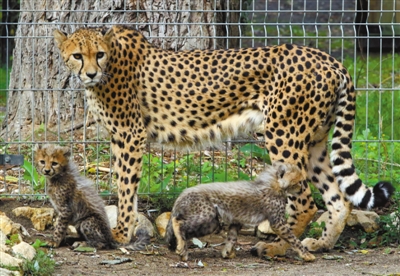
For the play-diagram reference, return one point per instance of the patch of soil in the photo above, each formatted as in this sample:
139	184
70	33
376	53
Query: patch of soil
160	261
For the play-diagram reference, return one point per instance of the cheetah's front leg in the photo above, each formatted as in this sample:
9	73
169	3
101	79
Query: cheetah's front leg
128	151
320	172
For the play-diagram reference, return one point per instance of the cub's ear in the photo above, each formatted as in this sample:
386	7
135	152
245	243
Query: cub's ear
37	147
66	151
59	37
280	169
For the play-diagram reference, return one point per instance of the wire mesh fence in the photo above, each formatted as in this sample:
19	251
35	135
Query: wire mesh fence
41	103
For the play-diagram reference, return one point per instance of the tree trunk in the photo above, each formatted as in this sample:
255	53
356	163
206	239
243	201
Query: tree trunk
42	94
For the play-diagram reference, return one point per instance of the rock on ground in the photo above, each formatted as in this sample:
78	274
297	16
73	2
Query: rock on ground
162	222
142	221
24	250
8	227
8	260
5	272
40	217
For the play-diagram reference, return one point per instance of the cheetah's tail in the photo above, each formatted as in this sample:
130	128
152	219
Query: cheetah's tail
343	168
170	236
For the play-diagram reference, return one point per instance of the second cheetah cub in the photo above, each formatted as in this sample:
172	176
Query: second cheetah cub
73	197
198	209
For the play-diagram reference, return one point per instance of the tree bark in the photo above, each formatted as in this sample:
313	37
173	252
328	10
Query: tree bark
42	94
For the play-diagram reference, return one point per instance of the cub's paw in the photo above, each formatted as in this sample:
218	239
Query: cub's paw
262	249
228	252
52	244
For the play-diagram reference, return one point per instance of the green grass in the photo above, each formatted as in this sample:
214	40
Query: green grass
376	156
3	86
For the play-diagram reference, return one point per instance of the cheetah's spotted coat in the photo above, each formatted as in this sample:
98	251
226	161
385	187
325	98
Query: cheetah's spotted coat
195	98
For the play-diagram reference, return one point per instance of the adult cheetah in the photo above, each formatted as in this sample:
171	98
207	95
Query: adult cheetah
196	98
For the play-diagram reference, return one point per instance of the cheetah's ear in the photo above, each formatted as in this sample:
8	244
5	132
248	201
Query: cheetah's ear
109	36
59	37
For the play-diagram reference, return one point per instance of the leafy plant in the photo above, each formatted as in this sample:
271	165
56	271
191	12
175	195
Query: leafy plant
14	239
316	229
32	175
41	265
255	151
390	225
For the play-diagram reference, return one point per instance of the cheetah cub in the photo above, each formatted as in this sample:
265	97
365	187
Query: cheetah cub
73	197
198	209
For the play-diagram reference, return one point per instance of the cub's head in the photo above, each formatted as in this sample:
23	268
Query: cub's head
51	160
289	178
86	53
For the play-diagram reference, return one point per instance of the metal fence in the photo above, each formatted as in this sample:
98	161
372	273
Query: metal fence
362	34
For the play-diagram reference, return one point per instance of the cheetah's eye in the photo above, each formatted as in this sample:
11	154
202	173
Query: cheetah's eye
77	56
53	164
42	162
100	54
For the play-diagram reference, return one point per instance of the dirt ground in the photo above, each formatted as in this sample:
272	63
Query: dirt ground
207	261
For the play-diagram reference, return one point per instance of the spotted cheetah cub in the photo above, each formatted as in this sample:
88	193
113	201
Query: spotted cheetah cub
73	197
198	209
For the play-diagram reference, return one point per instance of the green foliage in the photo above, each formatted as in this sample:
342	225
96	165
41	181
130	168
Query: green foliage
375	154
14	239
316	229
32	175
41	265
171	178
38	243
390	225
99	152
388	233
317	196
252	150
3	85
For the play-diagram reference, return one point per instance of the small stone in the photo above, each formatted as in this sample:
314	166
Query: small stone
71	232
144	223
3	238
366	219
112	214
4	248
395	219
6	272
264	228
24	250
8	260
8	227
40	217
162	222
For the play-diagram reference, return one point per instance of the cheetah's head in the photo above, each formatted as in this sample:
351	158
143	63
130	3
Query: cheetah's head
86	53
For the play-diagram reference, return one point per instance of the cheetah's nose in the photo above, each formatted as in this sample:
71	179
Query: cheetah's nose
91	75
46	171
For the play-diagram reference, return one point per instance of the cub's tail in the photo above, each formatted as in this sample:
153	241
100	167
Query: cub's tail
170	236
343	168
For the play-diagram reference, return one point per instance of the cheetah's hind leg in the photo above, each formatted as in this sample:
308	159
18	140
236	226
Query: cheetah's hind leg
93	232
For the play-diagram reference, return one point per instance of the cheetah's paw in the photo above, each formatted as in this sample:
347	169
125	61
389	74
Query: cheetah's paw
262	249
